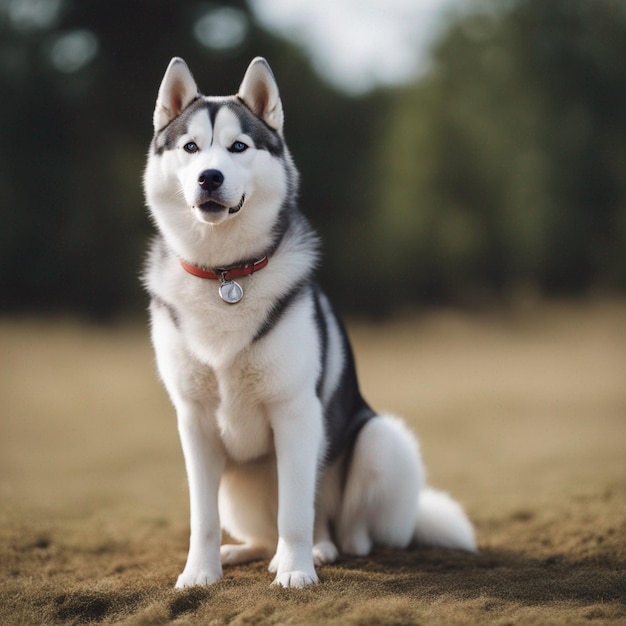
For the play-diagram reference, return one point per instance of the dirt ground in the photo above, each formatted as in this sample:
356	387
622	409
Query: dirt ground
521	416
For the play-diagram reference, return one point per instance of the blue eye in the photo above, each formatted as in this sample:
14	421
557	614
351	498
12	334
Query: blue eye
191	147
238	146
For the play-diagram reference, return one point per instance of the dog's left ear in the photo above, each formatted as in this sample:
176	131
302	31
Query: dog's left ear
259	92
178	89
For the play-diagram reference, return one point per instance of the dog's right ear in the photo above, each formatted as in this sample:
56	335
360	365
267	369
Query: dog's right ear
178	89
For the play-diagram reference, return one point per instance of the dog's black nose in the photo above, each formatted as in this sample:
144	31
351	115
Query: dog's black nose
210	180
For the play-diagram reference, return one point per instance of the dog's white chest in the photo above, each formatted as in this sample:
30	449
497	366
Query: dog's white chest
246	436
242	418
216	332
244	429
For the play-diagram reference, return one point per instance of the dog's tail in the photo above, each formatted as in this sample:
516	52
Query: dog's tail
441	522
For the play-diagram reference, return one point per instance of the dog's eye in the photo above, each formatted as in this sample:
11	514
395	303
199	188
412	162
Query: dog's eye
238	146
191	147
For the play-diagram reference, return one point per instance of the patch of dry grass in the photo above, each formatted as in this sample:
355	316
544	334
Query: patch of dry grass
522	417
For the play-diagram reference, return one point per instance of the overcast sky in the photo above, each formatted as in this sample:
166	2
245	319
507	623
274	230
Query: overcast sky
359	44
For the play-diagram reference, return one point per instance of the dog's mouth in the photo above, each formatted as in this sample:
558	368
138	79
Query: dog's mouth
211	206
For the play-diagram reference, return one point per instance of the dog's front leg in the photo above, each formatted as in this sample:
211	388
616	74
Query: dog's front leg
204	461
298	435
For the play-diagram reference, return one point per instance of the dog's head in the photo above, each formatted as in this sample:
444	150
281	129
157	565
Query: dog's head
214	160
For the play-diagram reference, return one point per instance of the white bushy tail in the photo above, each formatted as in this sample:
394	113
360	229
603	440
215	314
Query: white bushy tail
441	522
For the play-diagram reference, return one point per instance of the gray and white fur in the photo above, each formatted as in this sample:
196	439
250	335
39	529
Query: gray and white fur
281	450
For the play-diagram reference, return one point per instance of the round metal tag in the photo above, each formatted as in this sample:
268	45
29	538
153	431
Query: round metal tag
231	292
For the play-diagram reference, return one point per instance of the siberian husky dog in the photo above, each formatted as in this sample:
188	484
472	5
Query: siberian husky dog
280	448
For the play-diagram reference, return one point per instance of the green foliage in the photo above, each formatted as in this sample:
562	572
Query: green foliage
504	168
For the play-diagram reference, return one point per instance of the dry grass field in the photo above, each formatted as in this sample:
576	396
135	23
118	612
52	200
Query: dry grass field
522	416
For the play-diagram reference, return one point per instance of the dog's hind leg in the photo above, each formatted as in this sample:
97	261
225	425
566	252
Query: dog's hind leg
386	501
382	488
248	508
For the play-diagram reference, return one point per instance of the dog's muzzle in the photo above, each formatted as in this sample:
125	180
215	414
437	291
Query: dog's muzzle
211	181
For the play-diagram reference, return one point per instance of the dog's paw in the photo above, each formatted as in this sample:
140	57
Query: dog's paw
295	579
325	552
357	544
202	577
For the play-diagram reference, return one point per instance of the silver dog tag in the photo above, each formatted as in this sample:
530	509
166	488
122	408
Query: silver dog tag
230	291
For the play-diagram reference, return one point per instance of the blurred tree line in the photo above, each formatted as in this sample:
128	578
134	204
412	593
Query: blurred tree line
503	170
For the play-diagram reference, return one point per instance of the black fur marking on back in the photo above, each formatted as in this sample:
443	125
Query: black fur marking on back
346	412
280	307
322	331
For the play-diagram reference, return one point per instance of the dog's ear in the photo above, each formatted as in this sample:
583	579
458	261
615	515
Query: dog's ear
259	92
177	90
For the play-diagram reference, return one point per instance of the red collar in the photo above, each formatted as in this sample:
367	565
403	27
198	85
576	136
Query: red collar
228	273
